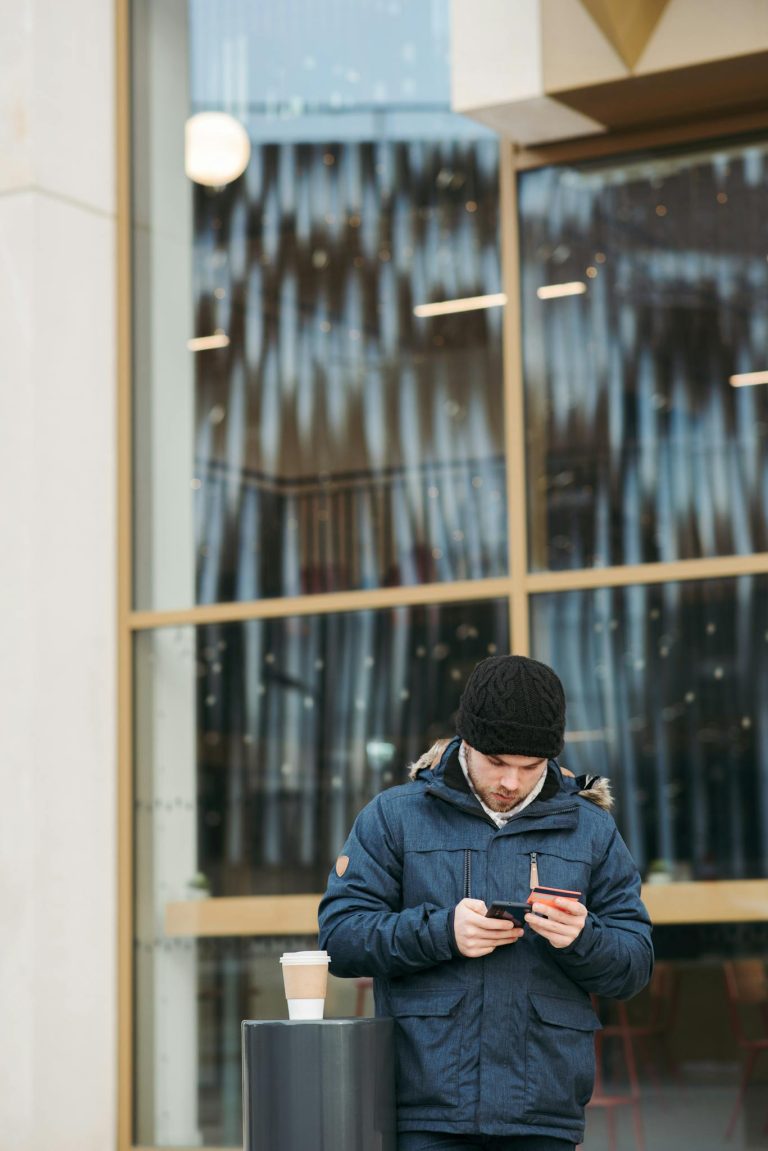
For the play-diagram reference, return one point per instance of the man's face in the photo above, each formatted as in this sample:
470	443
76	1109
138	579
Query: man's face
503	781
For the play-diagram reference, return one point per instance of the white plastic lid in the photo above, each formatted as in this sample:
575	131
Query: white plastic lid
305	957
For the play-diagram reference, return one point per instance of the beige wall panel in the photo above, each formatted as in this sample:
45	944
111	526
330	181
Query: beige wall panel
575	51
694	31
16	160
18	918
57	756
51	125
495	52
58	1040
72	100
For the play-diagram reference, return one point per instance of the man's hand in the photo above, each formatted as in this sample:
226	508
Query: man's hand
564	922
477	935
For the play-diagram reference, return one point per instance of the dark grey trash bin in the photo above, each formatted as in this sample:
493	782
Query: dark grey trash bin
325	1085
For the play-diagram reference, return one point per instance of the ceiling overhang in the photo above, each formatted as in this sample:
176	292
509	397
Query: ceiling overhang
539	71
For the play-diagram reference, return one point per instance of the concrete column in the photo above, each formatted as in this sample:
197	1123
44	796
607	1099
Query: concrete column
57	577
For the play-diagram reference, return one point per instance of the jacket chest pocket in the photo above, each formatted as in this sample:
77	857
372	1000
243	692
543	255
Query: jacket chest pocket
443	877
555	869
559	1057
428	1039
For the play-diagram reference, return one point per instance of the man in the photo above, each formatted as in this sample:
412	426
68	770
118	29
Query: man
494	1025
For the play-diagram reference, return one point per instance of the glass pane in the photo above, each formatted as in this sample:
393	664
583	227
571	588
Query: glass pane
256	745
639	449
317	434
667	688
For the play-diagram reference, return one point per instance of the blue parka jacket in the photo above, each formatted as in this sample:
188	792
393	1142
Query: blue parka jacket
502	1044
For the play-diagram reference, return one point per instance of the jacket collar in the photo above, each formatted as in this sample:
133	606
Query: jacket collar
454	777
446	781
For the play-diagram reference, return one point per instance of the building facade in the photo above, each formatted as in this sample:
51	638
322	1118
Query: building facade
360	341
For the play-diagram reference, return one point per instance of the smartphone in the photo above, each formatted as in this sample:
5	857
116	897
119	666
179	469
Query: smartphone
515	912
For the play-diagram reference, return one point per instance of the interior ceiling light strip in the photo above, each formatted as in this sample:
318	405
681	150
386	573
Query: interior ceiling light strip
205	343
469	304
553	291
745	379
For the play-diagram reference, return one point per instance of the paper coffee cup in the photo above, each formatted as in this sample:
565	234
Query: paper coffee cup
306	1008
305	977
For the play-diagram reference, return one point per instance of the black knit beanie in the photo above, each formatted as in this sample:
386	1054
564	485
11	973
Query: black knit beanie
512	705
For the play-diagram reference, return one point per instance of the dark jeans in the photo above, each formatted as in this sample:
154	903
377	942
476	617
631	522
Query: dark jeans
440	1141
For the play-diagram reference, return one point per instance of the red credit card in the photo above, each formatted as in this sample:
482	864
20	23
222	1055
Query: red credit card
548	895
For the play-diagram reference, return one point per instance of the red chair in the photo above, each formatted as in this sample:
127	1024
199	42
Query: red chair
610	1100
746	988
651	1034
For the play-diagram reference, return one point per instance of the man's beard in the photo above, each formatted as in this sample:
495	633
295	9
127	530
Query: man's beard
499	802
500	799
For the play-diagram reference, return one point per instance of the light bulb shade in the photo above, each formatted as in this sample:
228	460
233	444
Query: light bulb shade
216	149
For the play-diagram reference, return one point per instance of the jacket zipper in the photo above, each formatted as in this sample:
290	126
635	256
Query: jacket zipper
534	871
467	873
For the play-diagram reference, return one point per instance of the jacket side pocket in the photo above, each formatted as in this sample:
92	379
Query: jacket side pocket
428	1028
559	1057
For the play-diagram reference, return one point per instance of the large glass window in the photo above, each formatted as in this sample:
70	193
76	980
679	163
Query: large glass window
667	688
301	425
643	287
319	409
639	446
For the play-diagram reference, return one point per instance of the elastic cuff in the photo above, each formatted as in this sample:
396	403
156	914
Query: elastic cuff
582	943
451	933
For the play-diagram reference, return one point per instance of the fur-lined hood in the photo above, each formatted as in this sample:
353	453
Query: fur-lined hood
595	788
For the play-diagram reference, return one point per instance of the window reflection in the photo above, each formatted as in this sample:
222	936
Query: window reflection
295	724
342	441
299	427
639	449
667	688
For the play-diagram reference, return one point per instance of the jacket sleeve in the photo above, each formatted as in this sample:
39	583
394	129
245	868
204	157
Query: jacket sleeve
362	924
613	955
